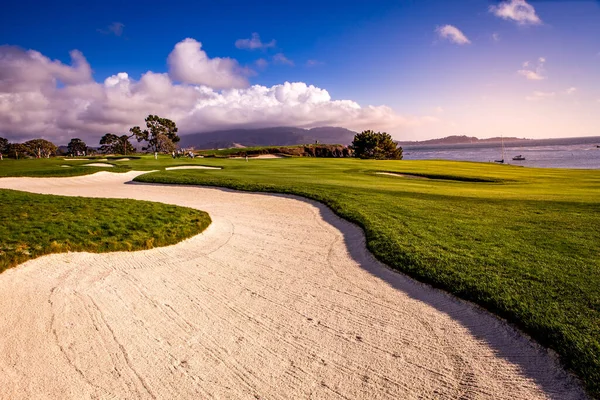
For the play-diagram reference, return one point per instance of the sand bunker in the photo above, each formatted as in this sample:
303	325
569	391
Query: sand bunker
65	166
402	175
269	156
98	165
192	167
122	159
76	159
277	299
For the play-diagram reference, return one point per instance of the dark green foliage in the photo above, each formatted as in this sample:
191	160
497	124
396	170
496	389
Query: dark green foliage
160	135
76	147
113	144
16	150
32	225
376	145
3	145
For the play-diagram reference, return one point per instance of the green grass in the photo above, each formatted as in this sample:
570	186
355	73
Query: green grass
522	242
32	225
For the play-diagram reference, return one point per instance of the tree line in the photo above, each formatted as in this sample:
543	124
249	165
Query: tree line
160	136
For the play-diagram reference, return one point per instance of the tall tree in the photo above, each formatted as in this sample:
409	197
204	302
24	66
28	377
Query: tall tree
77	147
111	143
159	131
376	145
39	148
3	146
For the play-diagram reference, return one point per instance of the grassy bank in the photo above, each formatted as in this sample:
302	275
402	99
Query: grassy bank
32	225
523	243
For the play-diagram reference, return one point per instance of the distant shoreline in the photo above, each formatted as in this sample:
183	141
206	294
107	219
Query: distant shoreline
462	140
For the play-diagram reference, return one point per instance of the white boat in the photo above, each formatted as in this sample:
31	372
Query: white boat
518	158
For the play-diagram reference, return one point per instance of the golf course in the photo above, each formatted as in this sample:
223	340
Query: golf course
521	243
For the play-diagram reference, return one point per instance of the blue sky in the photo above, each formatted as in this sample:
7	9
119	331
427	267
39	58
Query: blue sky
389	54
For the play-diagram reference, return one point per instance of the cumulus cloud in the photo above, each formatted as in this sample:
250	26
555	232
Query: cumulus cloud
253	43
538	96
453	34
516	10
533	74
571	90
116	28
44	98
281	59
496	37
188	63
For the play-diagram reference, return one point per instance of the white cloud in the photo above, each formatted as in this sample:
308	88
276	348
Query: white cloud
34	104
538	96
517	10
571	90
313	63
116	28
536	74
261	63
531	75
439	109
253	43
453	34
188	63
281	59
496	37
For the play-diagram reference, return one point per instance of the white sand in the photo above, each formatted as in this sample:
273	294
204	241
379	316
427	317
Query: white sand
66	166
278	299
268	156
192	167
401	175
97	164
122	159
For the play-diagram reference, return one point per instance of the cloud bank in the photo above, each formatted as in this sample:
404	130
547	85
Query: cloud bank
453	34
519	11
40	97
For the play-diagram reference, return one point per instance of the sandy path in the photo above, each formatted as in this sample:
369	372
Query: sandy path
278	299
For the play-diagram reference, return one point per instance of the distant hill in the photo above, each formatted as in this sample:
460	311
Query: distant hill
461	140
281	136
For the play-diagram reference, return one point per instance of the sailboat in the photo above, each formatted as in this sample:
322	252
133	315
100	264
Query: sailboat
501	161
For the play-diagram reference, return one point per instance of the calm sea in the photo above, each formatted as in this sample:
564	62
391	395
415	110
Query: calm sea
546	153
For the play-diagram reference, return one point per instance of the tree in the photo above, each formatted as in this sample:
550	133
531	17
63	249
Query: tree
39	148
3	147
376	145
16	149
159	132
111	143
77	147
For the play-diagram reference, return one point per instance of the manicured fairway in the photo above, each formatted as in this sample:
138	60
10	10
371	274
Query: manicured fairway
525	245
32	225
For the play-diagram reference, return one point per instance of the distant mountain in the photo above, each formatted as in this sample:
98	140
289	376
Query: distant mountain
281	136
461	140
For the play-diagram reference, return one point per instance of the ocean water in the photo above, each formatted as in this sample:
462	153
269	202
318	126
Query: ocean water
579	153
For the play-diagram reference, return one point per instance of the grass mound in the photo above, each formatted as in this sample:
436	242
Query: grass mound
32	225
